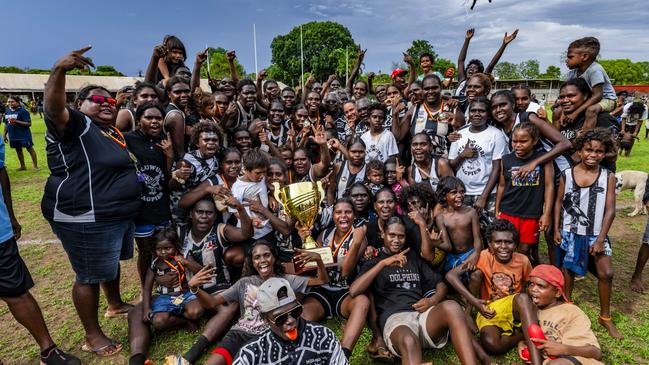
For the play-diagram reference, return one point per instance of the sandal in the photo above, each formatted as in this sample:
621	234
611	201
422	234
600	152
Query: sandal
104	351
381	354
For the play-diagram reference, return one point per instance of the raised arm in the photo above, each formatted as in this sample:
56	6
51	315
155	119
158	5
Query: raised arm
54	94
461	74
230	56
506	41
356	69
201	57
322	167
159	52
401	126
260	93
412	69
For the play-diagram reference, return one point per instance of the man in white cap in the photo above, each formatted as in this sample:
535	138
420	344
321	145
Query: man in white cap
291	339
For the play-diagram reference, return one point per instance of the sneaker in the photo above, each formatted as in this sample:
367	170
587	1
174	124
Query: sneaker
176	360
58	357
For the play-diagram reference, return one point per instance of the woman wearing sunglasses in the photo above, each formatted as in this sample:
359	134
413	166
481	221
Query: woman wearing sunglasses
261	264
91	195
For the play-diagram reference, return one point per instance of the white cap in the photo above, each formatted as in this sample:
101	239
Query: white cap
274	293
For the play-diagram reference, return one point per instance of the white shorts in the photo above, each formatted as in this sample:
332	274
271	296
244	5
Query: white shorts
416	322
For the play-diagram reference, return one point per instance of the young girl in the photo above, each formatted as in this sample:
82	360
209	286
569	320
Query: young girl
426	166
584	213
155	156
251	187
374	176
172	306
380	142
521	200
173	58
394	177
17	123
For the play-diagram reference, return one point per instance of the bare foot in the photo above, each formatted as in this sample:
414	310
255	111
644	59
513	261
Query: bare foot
636	285
607	323
121	310
22	168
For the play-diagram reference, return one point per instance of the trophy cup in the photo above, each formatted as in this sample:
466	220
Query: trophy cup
302	203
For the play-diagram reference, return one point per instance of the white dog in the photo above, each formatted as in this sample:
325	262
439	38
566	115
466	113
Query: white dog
636	181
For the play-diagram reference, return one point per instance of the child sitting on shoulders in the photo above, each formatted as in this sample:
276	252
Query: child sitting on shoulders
494	287
521	200
374	176
458	224
172	306
584	212
569	337
581	60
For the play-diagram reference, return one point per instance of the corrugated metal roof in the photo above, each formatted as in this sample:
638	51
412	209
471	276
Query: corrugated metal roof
16	83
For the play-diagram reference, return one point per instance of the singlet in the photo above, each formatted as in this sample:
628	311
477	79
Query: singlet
436	130
245	118
208	251
171	265
172	108
345	178
339	250
582	208
433	178
131	112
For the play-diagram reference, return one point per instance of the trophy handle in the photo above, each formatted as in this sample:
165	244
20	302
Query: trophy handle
276	192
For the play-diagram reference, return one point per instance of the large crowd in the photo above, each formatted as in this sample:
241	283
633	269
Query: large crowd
433	193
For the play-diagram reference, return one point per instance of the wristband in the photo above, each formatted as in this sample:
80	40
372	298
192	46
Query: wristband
194	290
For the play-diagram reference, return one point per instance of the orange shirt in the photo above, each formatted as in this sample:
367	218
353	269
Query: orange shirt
501	280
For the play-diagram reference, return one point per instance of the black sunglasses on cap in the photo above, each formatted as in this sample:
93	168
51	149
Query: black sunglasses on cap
282	318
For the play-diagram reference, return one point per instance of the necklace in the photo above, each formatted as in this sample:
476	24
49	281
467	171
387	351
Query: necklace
429	113
114	134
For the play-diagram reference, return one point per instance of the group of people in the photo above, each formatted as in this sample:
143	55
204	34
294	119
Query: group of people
432	207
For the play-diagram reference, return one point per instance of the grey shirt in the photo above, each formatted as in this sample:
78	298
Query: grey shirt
596	75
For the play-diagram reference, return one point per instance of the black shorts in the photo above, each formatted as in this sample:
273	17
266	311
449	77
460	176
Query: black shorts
331	300
231	343
15	279
21	143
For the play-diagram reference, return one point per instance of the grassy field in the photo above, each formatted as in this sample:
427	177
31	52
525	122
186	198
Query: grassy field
53	276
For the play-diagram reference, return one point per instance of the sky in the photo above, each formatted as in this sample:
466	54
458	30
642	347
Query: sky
123	33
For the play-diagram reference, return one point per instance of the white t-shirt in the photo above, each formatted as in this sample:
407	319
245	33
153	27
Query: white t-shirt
381	147
491	144
253	190
633	119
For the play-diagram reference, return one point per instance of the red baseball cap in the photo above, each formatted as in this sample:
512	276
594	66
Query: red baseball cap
552	275
397	72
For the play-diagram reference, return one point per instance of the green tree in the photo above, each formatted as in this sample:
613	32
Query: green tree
552	72
107	71
38	71
324	45
506	71
419	47
219	66
529	69
11	70
442	64
624	71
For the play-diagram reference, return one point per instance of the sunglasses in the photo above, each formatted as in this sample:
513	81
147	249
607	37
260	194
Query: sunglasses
100	99
281	319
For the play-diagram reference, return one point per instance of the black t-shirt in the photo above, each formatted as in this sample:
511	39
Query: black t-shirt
92	177
413	237
153	169
523	197
396	289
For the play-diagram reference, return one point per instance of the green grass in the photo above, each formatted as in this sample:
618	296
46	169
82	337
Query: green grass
53	276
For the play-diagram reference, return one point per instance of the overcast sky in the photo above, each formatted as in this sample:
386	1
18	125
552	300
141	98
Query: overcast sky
124	32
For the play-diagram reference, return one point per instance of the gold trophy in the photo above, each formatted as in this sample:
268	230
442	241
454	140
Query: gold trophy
302	202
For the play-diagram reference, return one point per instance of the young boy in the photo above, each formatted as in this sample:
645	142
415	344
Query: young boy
459	226
374	176
494	288
584	212
580	59
252	186
569	337
380	142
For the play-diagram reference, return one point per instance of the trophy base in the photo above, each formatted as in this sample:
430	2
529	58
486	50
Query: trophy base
326	255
